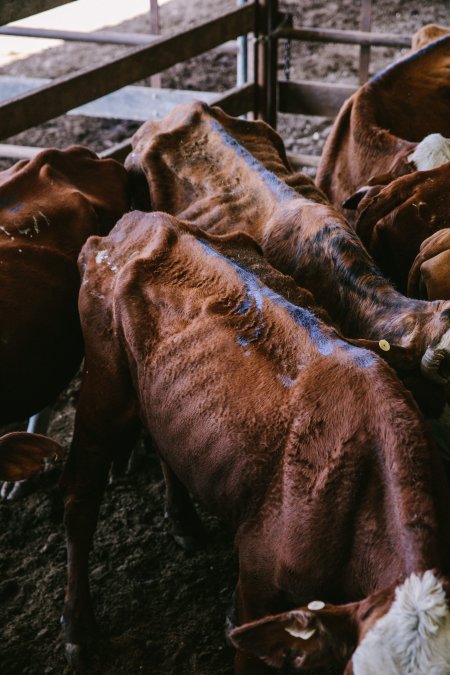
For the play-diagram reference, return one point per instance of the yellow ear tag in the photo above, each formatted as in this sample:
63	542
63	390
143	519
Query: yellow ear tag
302	634
316	604
384	345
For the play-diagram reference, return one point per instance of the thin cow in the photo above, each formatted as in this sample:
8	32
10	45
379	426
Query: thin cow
309	447
225	174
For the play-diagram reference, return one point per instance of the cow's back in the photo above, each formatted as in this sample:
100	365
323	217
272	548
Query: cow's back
241	385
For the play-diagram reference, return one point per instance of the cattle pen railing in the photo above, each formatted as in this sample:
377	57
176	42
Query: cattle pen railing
263	94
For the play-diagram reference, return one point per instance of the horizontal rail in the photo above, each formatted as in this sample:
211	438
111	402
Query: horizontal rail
349	37
18	151
13	10
70	91
107	37
306	97
236	101
99	37
297	161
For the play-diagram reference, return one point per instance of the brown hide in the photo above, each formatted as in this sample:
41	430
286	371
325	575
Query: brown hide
429	276
380	125
308	447
427	34
394	220
370	144
226	174
48	208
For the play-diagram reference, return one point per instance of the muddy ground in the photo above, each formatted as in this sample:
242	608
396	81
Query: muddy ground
160	611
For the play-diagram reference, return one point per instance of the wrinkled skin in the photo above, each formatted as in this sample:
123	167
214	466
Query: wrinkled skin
263	413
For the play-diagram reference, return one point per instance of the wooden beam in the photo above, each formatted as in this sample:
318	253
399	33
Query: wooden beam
129	103
13	10
70	91
236	101
307	97
349	37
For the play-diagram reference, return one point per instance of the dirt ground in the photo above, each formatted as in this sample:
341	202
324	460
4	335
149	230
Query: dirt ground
160	611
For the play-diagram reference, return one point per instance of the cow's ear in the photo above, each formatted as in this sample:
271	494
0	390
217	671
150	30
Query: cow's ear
302	638
353	201
22	454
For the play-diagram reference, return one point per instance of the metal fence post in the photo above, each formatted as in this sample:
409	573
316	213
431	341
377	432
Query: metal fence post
266	57
242	56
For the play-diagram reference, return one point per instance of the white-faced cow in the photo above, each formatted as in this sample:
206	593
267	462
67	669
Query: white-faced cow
388	157
308	446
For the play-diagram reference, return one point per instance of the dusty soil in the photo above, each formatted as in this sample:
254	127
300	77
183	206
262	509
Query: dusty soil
160	611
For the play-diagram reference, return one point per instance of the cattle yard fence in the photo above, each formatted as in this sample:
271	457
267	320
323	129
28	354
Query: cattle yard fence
258	26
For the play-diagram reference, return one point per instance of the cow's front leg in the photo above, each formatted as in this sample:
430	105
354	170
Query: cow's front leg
186	526
83	483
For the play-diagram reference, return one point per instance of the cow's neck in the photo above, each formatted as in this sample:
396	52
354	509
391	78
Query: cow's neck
325	256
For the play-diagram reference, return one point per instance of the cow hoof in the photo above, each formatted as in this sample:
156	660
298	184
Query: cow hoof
76	657
229	625
189	544
17	490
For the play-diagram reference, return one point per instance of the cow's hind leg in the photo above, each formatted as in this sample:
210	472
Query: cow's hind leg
186	526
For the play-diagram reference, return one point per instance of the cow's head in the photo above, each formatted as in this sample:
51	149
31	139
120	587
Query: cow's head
395	631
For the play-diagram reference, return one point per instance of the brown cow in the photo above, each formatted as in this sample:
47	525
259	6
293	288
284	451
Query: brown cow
390	144
395	219
429	275
309	447
427	34
225	174
48	208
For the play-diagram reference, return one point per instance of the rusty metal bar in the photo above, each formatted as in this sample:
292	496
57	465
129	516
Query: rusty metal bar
242	55
107	37
306	97
13	10
266	61
349	37
297	161
364	50
70	91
